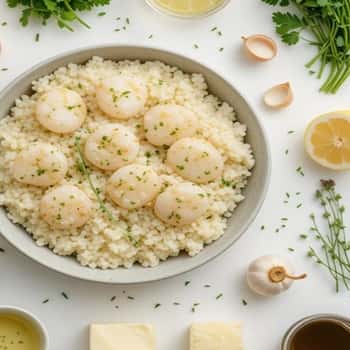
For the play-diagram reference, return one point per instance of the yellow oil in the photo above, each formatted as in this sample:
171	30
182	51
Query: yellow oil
18	334
189	7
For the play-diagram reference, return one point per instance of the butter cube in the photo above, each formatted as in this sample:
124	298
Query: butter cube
122	336
216	336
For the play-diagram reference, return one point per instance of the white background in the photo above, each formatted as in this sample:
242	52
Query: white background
25	283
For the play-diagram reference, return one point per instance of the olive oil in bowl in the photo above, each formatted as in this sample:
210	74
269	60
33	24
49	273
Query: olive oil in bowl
18	333
322	335
188	8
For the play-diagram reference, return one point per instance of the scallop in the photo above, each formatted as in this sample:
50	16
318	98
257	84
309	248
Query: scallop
61	110
195	160
65	207
40	165
121	97
165	124
133	186
181	204
111	146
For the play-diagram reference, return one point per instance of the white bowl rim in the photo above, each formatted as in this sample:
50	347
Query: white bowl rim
204	261
16	310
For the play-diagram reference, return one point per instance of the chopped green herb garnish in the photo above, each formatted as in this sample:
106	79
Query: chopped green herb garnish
219	296
65	296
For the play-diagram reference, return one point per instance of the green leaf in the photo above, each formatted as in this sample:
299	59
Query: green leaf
291	38
24	19
286	22
277	2
50	5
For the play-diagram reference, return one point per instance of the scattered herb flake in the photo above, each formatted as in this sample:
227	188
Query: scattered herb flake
37	37
2	250
113	298
291	249
150	36
291	132
65	296
300	170
45	301
262	227
156	306
101	14
303	236
187	283
219	296
244	302
130	297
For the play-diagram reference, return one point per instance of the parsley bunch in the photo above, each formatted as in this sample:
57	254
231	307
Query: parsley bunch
64	11
329	23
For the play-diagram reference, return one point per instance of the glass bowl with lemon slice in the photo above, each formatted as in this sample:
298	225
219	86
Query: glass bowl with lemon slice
188	8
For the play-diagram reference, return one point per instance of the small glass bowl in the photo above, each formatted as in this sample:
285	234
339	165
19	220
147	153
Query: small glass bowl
166	11
297	326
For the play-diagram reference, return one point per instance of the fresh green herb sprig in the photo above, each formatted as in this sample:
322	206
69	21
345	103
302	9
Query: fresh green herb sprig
329	23
63	11
335	246
86	172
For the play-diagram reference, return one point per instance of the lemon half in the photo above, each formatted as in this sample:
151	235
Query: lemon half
327	140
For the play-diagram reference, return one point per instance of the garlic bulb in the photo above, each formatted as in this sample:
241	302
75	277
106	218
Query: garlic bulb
271	275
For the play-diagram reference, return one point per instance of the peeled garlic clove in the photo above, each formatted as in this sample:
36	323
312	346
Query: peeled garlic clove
271	275
260	47
279	96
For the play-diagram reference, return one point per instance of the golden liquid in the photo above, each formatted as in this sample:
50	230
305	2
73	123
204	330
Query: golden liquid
18	334
189	7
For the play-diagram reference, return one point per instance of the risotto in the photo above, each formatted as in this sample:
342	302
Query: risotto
117	163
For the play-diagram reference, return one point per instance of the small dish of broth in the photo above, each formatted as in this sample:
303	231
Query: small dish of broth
319	332
20	330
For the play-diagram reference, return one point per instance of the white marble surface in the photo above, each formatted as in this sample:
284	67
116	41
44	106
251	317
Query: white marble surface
27	284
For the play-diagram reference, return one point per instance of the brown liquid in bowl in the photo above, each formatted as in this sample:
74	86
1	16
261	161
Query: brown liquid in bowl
321	335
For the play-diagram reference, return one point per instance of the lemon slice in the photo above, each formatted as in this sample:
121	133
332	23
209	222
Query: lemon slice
327	140
189	7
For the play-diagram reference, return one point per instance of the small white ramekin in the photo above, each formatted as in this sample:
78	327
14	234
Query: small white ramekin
26	315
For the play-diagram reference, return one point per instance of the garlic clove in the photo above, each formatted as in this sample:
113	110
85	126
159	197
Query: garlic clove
271	275
279	96
260	47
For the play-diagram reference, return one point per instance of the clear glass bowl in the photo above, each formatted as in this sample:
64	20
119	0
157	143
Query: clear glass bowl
156	6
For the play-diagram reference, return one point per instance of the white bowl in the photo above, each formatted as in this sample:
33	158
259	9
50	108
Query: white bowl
26	315
244	214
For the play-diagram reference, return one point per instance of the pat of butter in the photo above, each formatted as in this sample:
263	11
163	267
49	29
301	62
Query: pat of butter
122	336
216	336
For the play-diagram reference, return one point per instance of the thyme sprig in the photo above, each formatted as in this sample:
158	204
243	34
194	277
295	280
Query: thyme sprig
83	168
335	246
